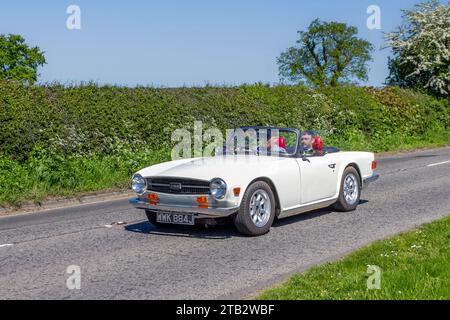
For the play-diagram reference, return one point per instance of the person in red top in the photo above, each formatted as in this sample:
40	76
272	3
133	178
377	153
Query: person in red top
277	145
317	145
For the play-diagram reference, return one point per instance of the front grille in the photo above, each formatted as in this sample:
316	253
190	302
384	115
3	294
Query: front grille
178	186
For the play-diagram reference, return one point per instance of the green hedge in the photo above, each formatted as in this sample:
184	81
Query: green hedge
62	140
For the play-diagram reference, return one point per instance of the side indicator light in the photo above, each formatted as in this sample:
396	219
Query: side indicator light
374	165
237	192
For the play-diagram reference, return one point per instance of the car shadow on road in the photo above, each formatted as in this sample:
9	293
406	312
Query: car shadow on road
217	232
308	216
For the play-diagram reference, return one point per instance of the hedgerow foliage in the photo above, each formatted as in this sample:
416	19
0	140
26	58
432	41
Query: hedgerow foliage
59	139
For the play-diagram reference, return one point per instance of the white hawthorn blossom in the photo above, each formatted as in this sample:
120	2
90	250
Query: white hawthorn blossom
424	42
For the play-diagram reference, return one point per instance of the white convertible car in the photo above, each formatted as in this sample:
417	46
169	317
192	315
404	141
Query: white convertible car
284	173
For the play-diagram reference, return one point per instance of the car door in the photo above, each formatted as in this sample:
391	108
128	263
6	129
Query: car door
318	177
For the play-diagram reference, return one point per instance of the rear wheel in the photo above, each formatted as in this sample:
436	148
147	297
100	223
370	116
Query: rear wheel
350	191
257	211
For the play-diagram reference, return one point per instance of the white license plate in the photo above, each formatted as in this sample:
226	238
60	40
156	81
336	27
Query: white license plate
175	218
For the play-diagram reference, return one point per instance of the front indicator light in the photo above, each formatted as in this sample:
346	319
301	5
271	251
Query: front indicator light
202	202
153	197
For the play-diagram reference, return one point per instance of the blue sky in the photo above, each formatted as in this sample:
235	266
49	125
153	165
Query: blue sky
175	43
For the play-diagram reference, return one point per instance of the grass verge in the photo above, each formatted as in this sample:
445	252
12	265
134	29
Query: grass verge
57	176
414	265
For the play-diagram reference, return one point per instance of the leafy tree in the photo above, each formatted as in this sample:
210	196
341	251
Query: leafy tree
17	60
421	49
328	53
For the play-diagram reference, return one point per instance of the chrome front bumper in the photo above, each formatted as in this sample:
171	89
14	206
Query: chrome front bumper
371	179
209	212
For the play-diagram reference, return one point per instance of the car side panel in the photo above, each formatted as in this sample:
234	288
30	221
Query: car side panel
319	175
285	176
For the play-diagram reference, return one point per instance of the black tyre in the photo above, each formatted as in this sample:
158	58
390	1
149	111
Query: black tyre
350	191
257	211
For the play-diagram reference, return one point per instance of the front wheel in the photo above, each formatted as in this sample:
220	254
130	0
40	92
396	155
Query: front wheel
350	191
257	211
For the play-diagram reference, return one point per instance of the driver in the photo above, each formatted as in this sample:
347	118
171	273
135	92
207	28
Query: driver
306	141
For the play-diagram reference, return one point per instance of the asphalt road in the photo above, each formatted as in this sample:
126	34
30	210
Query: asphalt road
138	261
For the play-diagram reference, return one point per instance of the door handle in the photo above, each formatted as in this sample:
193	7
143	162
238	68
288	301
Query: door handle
332	166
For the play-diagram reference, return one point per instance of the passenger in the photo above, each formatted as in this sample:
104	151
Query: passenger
318	146
276	145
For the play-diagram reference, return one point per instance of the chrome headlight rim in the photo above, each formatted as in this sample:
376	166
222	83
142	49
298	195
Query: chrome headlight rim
218	184
138	184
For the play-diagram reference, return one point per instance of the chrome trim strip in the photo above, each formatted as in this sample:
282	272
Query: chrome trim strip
170	179
159	184
200	187
206	212
305	208
183	185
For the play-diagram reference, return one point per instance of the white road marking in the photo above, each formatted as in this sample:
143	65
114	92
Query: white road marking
438	164
6	245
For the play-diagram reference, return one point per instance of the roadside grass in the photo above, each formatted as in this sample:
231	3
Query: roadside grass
70	176
414	266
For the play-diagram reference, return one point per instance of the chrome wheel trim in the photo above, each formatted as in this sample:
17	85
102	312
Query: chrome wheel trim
260	208
351	189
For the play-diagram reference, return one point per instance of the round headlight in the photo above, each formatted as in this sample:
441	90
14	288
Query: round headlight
138	184
218	188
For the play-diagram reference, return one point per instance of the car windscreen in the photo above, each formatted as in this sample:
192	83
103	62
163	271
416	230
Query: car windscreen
262	141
